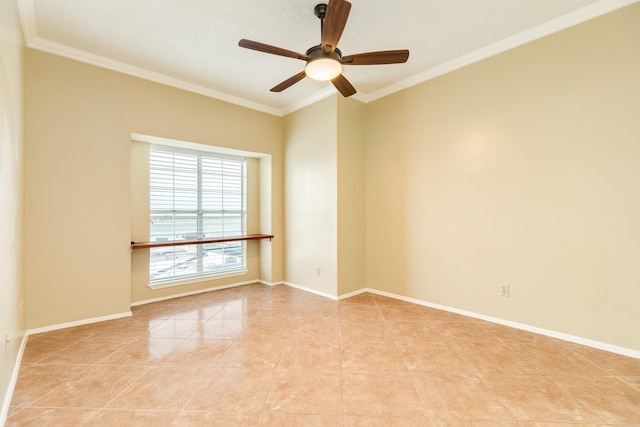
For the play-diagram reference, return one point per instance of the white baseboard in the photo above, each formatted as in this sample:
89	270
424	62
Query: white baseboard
186	294
313	291
553	334
78	323
353	294
265	282
4	411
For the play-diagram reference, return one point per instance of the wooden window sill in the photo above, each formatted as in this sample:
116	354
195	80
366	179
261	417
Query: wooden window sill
143	245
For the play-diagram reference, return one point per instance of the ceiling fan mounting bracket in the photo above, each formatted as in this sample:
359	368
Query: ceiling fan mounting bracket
320	10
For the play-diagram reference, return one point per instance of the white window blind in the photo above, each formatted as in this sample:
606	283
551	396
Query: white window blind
196	195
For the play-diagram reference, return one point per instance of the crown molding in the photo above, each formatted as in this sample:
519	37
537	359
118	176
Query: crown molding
100	61
27	19
553	26
27	16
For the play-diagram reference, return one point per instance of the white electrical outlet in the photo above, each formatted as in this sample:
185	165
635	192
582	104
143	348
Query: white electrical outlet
504	290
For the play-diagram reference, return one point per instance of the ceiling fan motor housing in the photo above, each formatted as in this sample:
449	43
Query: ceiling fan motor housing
316	52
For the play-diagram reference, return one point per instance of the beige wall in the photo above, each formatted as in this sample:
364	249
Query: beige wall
521	170
351	196
310	138
325	206
80	119
11	194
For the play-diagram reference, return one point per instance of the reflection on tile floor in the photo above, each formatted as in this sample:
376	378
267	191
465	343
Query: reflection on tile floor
256	355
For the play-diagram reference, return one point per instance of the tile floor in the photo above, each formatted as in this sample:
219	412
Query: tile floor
256	355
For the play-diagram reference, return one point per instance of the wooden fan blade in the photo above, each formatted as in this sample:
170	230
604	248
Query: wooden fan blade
376	58
344	87
335	20
289	82
261	47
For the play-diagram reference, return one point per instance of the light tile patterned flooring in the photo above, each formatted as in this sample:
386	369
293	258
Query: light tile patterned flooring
256	355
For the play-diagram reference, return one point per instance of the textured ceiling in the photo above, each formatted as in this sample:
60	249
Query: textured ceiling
194	43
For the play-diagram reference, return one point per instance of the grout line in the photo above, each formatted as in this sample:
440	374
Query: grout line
623	351
33	403
340	342
125	389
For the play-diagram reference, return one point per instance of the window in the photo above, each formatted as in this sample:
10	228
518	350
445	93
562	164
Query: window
196	195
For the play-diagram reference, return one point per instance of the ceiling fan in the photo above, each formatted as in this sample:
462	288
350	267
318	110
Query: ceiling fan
325	61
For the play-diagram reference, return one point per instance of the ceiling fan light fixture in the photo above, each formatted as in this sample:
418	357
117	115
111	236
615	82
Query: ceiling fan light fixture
323	69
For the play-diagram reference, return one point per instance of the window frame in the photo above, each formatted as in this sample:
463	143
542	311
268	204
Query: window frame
200	215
